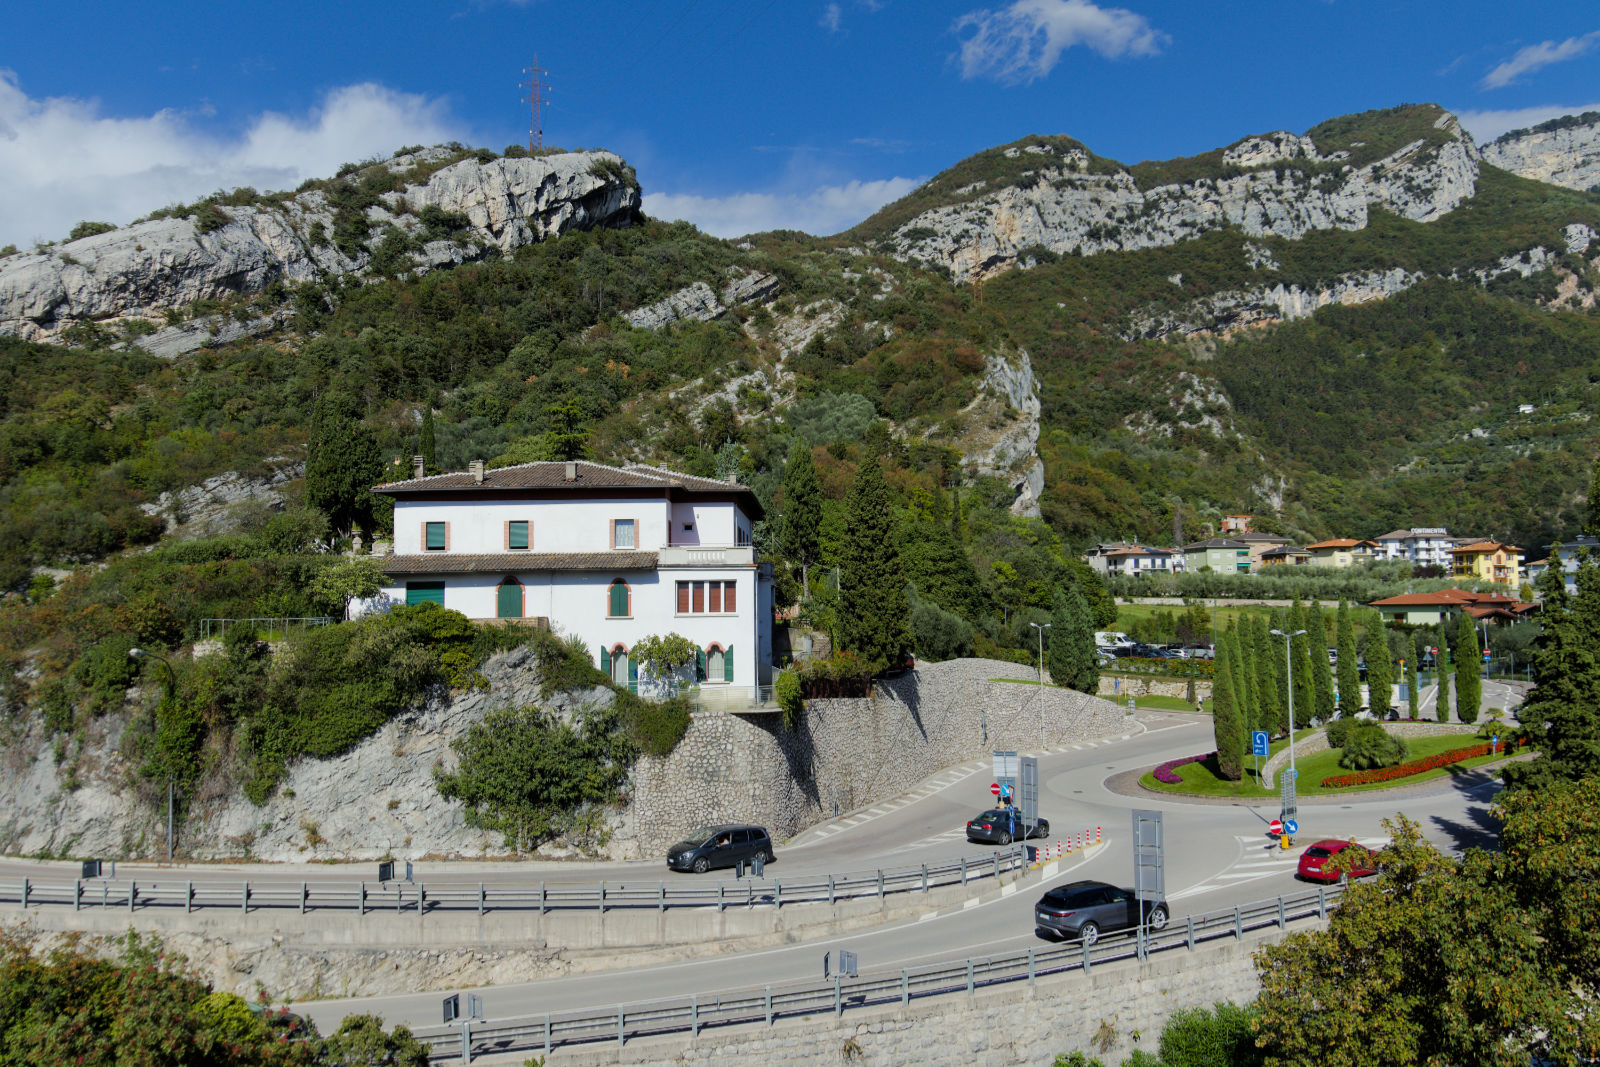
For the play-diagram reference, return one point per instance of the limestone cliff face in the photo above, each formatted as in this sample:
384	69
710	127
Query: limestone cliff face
1569	156
1066	207
139	271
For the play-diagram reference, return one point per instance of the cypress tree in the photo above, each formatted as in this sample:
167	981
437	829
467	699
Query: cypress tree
1380	668
1591	522
342	464
1072	658
872	602
1442	712
1469	669
1321	669
425	443
1249	693
1225	722
1349	669
1562	715
1266	671
935	560
1282	664
802	511
1305	693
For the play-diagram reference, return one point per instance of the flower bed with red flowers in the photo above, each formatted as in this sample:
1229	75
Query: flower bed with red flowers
1406	770
1164	774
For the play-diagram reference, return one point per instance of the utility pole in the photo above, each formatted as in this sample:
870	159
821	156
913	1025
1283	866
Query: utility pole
535	102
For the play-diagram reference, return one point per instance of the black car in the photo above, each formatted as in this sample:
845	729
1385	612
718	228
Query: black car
996	827
1084	909
719	846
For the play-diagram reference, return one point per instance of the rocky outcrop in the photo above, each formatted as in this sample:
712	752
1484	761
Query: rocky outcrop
1002	436
141	271
1566	155
697	303
206	506
1067	207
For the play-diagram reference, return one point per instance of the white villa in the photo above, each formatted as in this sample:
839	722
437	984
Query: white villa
609	554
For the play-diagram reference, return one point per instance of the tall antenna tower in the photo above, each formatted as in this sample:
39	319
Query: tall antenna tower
535	103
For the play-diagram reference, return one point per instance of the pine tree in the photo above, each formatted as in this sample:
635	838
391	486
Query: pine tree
1073	660
1266	672
342	464
1349	669
802	512
1321	669
1380	668
1442	712
872	600
1469	669
425	443
1562	714
1225	722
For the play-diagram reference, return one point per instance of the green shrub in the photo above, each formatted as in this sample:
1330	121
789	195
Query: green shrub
89	229
209	217
106	670
1369	745
830	417
786	690
1221	1037
1339	730
937	634
654	727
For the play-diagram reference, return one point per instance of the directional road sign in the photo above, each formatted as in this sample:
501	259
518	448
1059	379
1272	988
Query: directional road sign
1258	742
1291	827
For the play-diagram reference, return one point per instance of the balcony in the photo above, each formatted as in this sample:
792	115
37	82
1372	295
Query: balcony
707	556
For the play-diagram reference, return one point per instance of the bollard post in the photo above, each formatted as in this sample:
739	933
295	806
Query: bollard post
547	1035
970	986
777	894
422	896
480	900
963	870
541	898
1031	973
302	898
694	1016
361	908
244	897
77	893
105	895
838	995
133	893
880	883
1191	933
1238	924
1322	902
830	889
24	894
769	1005
997	865
924	877
620	1018
1283	922
720	902
1085	959
188	897
466	1040
602	896
905	988
661	896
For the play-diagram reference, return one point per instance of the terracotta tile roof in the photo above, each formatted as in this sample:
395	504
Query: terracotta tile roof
1338	542
518	562
1485	546
553	475
1444	598
1215	542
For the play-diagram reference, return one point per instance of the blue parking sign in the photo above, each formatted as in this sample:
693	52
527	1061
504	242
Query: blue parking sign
1258	742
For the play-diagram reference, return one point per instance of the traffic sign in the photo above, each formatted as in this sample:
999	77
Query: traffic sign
1290	826
1005	789
1275	827
1258	742
994	787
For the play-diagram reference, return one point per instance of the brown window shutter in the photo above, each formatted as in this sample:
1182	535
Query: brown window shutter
699	597
716	597
729	597
683	598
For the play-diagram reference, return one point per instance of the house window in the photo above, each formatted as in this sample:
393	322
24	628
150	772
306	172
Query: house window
508	599
622	534
715	664
620	667
425	592
619	600
436	536
707	598
517	534
741	535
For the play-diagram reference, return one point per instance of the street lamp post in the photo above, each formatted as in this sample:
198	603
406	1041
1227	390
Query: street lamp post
172	685
1041	627
1288	664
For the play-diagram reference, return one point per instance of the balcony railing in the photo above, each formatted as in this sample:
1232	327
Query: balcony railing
706	556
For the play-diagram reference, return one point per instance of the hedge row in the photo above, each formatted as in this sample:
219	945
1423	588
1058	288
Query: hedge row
1406	770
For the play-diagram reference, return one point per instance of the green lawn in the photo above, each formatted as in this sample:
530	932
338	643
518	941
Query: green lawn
1155	703
1200	779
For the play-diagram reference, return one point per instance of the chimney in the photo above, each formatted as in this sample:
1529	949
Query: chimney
416	466
572	471
475	468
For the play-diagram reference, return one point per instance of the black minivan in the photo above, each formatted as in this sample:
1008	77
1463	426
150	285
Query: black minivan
719	846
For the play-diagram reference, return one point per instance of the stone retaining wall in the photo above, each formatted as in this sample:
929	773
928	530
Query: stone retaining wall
1318	742
848	753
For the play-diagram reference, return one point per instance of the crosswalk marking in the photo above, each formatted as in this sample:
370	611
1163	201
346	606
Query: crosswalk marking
1258	858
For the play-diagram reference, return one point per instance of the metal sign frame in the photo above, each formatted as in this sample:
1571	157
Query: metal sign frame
1149	859
452	1007
1289	799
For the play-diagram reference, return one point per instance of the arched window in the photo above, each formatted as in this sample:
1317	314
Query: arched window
508	599
619	600
716	664
620	667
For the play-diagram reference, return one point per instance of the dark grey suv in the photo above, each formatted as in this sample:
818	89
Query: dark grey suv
1084	910
720	846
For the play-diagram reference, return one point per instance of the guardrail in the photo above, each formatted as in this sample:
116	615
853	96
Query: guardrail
767	1004
417	898
269	629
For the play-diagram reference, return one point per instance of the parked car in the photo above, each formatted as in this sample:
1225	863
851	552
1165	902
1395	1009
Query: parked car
994	826
1313	861
1084	910
720	846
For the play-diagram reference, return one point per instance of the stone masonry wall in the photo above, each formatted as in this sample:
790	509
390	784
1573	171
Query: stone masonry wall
848	753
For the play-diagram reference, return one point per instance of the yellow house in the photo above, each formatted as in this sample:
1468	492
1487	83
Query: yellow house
1487	560
1340	552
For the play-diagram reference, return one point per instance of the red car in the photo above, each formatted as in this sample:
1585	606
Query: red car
1314	861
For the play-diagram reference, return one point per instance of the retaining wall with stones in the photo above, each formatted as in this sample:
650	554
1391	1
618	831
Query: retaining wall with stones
847	753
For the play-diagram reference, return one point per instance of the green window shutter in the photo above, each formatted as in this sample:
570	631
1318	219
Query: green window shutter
605	662
518	534
509	602
425	592
435	541
633	671
700	665
619	600
727	664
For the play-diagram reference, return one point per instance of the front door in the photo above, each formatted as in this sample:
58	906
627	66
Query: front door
619	667
509	602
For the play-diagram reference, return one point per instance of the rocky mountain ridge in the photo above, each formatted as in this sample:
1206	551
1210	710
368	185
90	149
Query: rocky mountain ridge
1277	184
146	273
1562	152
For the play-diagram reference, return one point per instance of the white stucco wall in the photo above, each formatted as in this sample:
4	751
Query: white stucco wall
555	526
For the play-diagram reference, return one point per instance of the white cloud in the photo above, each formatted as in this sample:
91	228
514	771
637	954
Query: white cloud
830	18
66	161
1537	56
1024	41
1485	126
826	209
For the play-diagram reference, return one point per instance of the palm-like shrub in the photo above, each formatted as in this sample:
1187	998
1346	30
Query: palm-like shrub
1368	745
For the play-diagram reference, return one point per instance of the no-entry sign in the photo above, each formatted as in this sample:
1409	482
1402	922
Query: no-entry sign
1275	827
994	787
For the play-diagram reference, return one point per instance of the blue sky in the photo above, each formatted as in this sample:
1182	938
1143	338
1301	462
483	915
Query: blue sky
739	115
